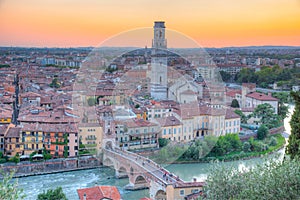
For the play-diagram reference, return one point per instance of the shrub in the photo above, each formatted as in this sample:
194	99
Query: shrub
273	141
246	147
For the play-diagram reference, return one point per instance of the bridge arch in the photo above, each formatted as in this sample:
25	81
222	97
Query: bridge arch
109	145
108	162
160	195
140	179
122	169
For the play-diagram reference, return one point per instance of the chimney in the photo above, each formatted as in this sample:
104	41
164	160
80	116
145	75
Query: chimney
195	180
84	196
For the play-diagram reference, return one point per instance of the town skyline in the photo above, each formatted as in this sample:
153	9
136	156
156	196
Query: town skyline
210	24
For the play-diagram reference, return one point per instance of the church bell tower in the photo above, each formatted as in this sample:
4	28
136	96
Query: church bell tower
159	62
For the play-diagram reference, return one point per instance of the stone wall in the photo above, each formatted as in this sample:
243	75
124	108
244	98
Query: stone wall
27	168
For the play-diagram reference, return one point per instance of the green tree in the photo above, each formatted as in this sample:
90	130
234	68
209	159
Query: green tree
163	142
92	101
283	110
55	83
293	148
262	132
225	76
56	194
235	103
244	118
269	180
246	147
246	75
267	116
9	189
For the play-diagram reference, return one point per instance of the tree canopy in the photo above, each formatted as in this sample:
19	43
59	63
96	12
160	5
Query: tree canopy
269	75
55	83
235	103
262	132
270	180
56	194
267	116
244	118
293	148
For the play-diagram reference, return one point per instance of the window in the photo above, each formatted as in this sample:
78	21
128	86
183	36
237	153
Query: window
194	191
181	192
174	130
165	131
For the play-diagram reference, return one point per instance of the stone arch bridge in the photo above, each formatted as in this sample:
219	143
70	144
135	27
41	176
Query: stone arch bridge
144	173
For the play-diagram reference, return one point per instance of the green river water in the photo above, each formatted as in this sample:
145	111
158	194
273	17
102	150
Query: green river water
70	181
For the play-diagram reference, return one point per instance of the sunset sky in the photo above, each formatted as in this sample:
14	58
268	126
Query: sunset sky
212	23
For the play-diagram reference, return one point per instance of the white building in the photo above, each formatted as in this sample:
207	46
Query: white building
254	99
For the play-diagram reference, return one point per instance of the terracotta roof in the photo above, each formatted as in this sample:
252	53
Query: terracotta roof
70	128
3	129
230	114
261	96
168	121
13	132
137	123
99	192
232	93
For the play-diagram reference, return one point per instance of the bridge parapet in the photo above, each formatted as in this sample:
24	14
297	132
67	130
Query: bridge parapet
145	173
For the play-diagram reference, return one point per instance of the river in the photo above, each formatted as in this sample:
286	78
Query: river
70	181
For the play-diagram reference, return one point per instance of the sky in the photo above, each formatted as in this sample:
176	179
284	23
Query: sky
211	23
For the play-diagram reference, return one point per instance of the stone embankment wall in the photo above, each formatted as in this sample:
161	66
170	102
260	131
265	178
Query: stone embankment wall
27	168
272	131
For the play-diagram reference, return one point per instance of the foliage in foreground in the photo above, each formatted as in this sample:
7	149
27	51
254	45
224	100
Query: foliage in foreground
9	189
269	180
56	194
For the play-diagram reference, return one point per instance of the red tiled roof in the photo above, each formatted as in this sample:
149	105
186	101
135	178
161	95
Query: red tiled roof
261	96
230	114
99	192
232	93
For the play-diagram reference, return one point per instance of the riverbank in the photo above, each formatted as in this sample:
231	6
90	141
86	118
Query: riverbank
236	155
28	168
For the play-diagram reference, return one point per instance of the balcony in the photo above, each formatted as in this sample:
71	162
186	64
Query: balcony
91	138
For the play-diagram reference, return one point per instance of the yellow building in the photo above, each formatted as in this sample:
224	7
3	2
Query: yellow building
12	141
90	138
171	128
32	141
